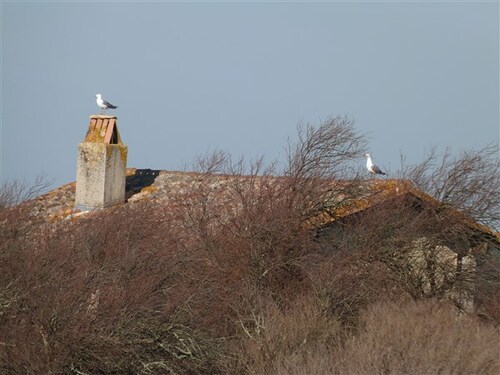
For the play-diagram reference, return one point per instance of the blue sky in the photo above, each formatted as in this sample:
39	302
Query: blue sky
197	76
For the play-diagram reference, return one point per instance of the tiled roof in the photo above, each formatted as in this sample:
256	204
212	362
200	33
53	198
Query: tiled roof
175	187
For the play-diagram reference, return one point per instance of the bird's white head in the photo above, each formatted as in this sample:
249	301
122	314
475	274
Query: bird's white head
368	155
98	96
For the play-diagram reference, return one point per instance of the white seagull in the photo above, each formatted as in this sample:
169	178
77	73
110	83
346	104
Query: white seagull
372	168
103	104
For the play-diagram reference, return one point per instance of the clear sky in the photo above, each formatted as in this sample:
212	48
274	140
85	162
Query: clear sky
190	77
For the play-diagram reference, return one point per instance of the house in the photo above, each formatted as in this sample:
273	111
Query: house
436	256
432	247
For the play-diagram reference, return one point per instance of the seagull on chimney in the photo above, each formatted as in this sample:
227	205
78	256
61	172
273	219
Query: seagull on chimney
372	168
103	104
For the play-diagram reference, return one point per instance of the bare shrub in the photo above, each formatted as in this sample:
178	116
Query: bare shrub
326	151
487	288
321	155
466	188
397	250
347	284
261	216
275	337
15	192
468	182
106	295
242	227
230	275
363	260
421	338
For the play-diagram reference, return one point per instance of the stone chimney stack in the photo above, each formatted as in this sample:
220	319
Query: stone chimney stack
101	165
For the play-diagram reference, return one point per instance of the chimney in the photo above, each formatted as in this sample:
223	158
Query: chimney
101	165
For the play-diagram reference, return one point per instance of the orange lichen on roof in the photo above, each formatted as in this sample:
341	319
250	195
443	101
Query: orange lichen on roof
60	215
369	193
149	189
382	190
130	171
375	191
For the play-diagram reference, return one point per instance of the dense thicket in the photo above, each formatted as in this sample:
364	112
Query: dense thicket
149	289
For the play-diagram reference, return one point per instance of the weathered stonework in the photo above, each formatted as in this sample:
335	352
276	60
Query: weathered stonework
101	166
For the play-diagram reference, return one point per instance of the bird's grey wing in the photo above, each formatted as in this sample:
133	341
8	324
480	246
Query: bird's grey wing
377	170
108	104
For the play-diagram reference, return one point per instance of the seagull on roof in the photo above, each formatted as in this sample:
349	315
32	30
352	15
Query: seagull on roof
103	104
372	168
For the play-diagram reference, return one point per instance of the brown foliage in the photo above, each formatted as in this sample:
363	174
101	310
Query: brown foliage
421	338
412	338
104	295
229	277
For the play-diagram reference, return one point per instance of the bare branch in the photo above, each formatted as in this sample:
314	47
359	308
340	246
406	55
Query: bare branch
325	151
468	182
16	192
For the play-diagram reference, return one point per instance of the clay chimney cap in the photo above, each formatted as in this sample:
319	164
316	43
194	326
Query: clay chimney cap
102	117
103	129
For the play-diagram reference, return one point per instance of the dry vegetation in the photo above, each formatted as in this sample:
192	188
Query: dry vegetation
198	287
16	192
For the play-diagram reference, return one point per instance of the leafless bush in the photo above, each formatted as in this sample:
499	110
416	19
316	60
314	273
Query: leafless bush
487	287
231	276
412	338
468	182
421	338
241	223
398	251
326	151
319	156
15	192
15	218
106	295
265	214
466	188
274	337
